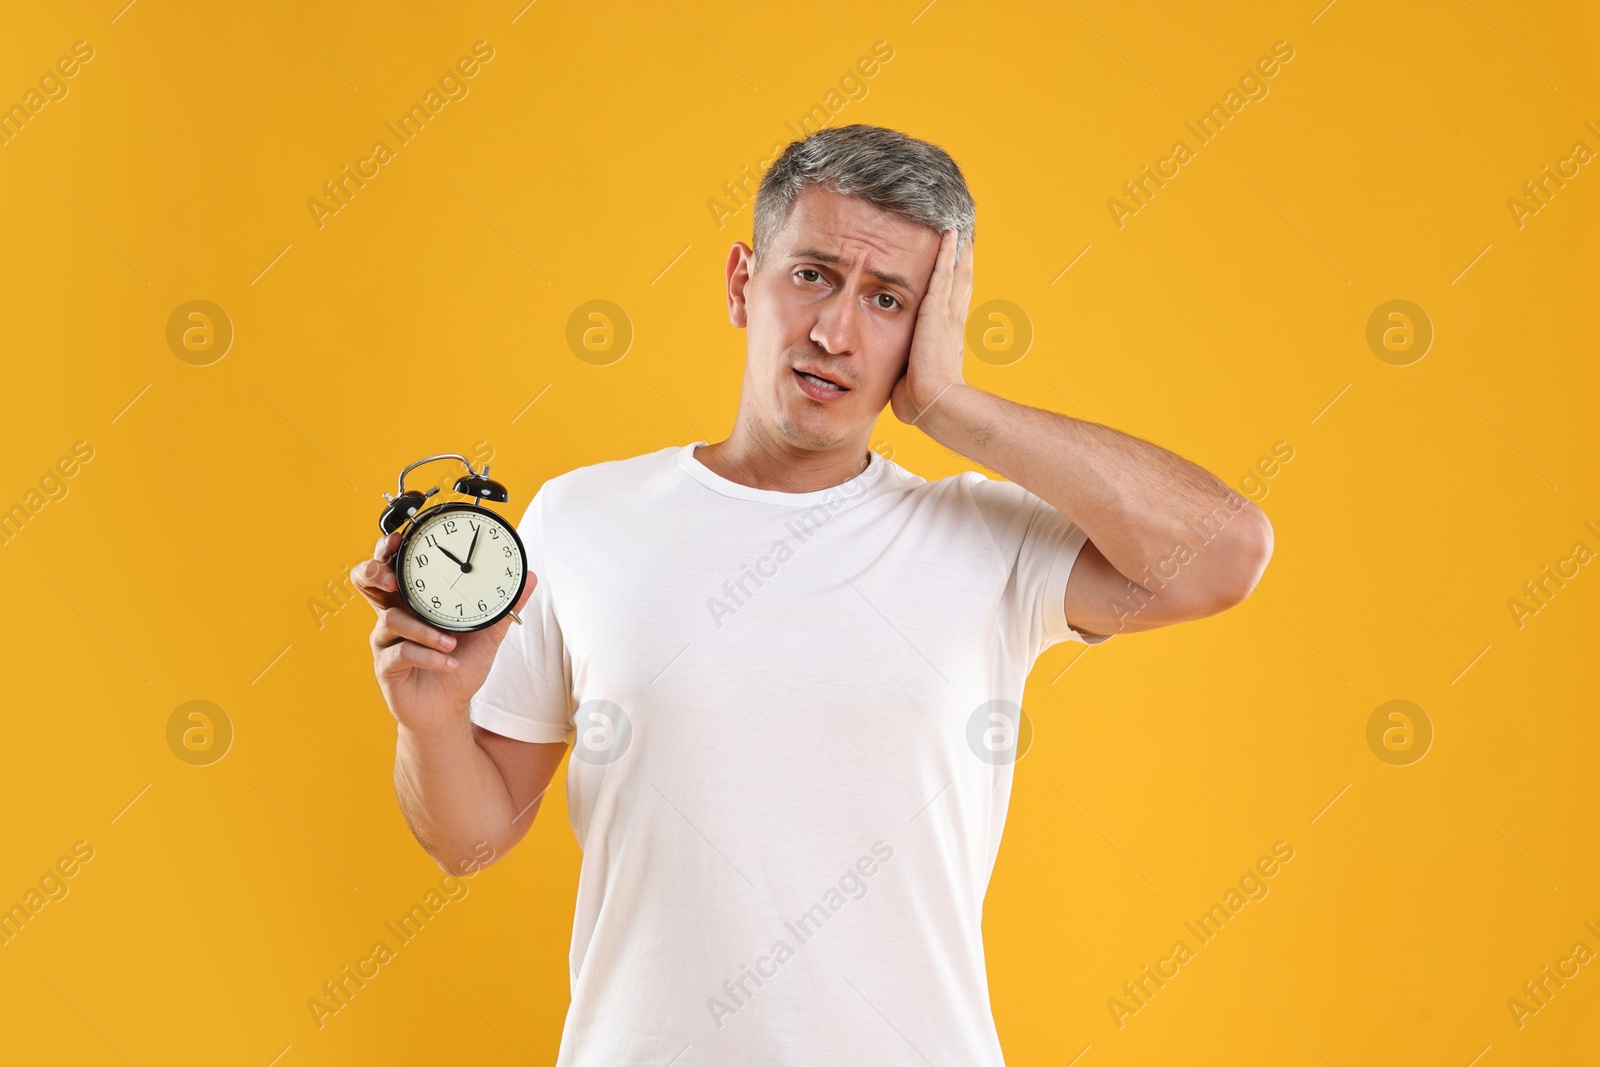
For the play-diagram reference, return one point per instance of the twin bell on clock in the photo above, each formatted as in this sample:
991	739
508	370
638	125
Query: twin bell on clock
461	567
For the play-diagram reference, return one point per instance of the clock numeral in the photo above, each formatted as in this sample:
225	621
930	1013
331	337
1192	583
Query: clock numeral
420	586
431	542
422	561
510	574
500	590
458	609
436	603
482	606
507	550
473	525
449	526
494	532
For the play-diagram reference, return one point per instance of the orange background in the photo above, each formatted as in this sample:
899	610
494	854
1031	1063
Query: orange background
430	313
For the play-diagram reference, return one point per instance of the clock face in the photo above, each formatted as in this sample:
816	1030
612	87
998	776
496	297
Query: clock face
461	567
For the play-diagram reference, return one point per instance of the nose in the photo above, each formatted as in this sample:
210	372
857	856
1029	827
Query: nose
838	325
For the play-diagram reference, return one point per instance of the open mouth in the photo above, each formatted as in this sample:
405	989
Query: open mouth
818	387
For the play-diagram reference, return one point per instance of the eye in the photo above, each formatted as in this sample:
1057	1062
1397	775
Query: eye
895	301
808	270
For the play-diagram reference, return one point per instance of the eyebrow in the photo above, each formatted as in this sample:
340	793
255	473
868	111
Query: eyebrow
833	260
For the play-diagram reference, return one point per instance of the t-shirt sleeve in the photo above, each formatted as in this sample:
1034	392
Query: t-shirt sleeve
1039	545
528	693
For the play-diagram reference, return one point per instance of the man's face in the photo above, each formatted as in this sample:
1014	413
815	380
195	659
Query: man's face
837	296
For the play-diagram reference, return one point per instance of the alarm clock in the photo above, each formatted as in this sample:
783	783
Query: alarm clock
460	566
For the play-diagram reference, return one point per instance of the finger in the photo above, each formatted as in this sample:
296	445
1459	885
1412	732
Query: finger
377	582
408	656
497	632
962	296
396	624
937	290
527	593
958	265
375	578
945	270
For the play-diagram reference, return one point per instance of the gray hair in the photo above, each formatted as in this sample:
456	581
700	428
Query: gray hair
913	179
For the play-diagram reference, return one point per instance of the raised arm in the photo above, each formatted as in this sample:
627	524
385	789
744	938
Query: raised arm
1168	540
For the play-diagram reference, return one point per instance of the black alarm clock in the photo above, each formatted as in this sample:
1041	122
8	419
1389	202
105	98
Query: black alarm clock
461	566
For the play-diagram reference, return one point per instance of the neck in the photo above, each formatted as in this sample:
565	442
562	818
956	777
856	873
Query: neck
763	461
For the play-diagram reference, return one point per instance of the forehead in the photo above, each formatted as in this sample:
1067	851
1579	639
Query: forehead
852	229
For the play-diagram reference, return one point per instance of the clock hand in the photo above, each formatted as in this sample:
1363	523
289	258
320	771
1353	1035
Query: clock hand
465	565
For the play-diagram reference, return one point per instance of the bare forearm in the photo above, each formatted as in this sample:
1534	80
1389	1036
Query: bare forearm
1135	500
453	796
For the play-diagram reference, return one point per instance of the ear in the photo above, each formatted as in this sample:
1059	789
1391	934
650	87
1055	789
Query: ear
740	257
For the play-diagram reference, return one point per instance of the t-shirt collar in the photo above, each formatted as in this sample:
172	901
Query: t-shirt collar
846	490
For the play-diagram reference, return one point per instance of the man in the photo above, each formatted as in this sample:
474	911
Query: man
792	670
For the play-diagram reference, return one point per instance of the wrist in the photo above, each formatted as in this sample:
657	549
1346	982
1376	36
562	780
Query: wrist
914	406
941	413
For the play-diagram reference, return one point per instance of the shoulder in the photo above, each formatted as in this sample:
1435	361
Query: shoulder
597	487
967	491
613	474
1008	512
969	504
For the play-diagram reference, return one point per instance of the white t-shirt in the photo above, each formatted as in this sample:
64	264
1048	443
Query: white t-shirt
794	717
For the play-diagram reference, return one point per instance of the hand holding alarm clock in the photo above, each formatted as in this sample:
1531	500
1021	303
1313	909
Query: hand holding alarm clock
447	581
442	577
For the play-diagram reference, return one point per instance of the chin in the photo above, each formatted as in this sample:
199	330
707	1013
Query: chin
811	433
809	439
